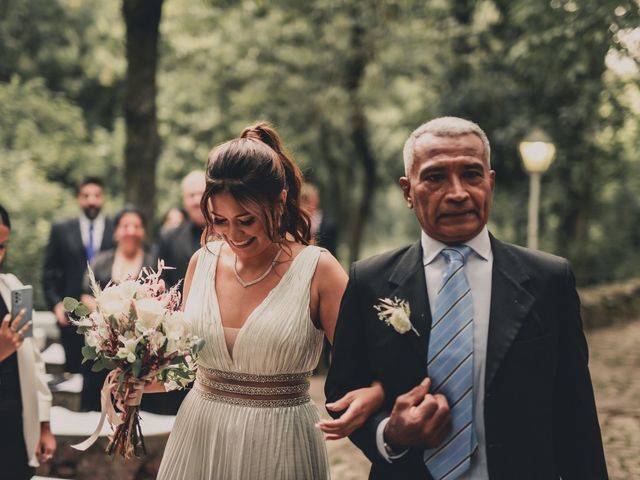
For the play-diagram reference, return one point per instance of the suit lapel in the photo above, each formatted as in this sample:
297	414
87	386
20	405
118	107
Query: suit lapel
107	235
75	239
510	304
408	283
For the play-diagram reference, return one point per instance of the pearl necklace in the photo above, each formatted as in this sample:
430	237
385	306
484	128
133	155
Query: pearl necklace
261	277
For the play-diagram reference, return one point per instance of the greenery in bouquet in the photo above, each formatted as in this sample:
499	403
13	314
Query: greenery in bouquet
139	334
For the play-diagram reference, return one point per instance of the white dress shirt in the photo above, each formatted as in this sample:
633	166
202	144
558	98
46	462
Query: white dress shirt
98	231
478	270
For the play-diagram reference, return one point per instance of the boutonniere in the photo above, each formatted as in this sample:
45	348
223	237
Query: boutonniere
395	312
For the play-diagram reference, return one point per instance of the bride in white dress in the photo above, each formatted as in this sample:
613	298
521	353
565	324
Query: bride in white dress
262	299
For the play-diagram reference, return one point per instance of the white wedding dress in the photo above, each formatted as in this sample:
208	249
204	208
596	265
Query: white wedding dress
220	436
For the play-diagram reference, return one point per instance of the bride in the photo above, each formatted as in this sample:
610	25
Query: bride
262	298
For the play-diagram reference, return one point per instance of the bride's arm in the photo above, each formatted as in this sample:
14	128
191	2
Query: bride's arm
328	285
154	386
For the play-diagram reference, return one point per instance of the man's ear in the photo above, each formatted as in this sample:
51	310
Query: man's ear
405	185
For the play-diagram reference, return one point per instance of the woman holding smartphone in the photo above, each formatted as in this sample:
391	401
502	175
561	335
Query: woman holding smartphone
25	399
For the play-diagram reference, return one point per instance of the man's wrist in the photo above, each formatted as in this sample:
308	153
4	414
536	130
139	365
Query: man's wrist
392	447
386	450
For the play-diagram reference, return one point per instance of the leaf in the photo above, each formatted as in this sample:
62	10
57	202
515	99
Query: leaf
197	346
81	310
70	304
98	365
135	368
89	353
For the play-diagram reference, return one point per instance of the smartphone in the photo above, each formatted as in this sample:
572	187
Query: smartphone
23	298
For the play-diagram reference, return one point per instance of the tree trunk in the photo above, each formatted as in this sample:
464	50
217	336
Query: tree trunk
142	148
355	70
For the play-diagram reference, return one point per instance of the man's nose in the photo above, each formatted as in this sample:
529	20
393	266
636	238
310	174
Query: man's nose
457	191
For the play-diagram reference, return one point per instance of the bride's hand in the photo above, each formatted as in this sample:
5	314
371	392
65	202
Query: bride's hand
359	405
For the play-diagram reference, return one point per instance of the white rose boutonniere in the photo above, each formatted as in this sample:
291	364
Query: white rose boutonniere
395	312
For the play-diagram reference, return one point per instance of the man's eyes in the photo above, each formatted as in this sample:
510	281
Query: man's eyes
473	174
434	177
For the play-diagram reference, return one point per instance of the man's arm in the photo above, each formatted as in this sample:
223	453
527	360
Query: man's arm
349	368
578	442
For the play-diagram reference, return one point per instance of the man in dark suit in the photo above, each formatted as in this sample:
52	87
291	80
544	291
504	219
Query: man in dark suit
176	248
73	243
486	376
178	245
323	228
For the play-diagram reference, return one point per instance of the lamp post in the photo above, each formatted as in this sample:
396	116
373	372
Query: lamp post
537	153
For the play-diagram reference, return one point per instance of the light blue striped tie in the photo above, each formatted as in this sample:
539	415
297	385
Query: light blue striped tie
450	364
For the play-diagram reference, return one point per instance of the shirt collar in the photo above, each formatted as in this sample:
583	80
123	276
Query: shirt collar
431	248
96	221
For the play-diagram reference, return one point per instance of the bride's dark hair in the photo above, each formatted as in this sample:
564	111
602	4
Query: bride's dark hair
254	169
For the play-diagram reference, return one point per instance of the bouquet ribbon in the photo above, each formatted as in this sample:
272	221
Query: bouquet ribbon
107	411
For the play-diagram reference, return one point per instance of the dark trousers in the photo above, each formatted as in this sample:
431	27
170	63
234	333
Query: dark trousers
72	343
14	464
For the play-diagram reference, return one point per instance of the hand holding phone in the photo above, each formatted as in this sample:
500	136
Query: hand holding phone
22	298
11	337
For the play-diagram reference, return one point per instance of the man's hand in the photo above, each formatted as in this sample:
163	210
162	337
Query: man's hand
418	419
61	314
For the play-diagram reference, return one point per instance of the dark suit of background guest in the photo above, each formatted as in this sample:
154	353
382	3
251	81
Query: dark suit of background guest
64	268
176	248
327	234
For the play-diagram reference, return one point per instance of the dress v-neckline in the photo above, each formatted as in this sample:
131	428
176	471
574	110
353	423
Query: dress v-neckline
249	317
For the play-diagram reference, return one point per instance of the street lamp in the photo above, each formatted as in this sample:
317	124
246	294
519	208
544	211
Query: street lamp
537	153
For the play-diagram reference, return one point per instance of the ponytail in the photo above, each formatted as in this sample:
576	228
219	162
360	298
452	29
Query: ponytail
255	169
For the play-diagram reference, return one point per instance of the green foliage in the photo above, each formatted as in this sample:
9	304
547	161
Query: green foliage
318	70
45	151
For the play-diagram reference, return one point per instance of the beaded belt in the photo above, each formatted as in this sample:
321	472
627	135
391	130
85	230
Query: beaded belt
285	390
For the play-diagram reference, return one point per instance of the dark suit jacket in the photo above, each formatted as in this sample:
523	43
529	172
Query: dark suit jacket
327	235
66	260
540	415
176	248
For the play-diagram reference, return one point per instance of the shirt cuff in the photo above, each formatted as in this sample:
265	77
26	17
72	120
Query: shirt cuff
388	456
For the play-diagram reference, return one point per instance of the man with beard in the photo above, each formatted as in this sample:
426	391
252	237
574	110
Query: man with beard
72	244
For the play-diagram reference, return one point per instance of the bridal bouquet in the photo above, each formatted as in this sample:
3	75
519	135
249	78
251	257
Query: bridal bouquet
138	333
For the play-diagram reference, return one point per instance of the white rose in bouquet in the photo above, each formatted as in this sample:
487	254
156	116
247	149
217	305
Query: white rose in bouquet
130	289
150	313
178	330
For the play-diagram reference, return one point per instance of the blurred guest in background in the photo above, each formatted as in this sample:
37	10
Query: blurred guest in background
172	219
178	245
323	228
72	244
25	399
324	234
123	262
